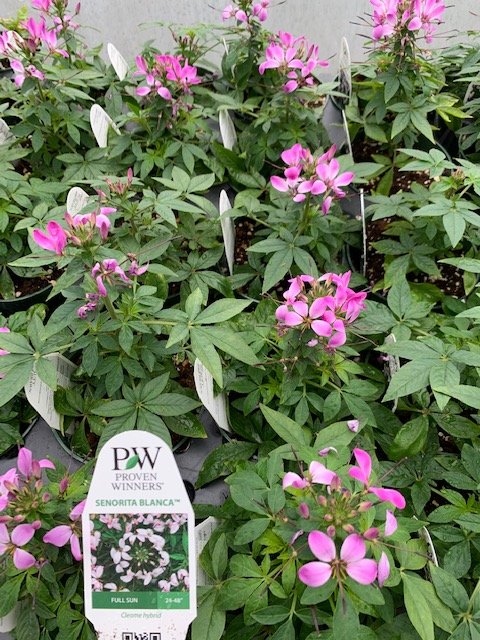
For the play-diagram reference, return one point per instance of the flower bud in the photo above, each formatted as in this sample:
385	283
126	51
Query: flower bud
371	534
364	506
328	517
63	486
348	528
296	535
19	518
36	524
5	519
331	531
304	510
322	501
10	487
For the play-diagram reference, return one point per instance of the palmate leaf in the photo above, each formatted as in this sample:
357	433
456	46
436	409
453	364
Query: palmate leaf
412	377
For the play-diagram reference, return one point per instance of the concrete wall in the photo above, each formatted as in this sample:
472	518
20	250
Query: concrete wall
322	21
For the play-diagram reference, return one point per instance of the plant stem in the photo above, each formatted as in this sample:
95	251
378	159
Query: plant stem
110	307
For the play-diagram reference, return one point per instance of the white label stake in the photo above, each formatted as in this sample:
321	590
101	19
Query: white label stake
215	405
100	122
6	135
40	396
139	542
77	199
118	61
227	129
228	229
203	533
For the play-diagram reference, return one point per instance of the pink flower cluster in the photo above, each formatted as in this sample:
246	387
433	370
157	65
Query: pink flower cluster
339	512
306	174
405	17
21	489
325	306
167	76
294	58
246	12
82	228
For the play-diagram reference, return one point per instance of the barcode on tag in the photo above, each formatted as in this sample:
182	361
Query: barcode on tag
131	635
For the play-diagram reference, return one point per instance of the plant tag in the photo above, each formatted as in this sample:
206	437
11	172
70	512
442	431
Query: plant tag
139	542
227	129
393	364
228	229
6	135
77	199
9	622
203	533
345	71
215	404
100	122
118	61
40	396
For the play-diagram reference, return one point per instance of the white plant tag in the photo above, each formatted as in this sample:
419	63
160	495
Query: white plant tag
393	364
364	232
77	199
40	396
9	622
215	404
118	61
203	533
139	542
6	135
227	129
228	229
100	122
345	69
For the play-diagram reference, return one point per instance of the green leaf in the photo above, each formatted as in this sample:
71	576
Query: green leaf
131	462
421	123
251	531
315	595
210	621
220	556
27	623
276	268
411	439
335	435
15	343
230	342
401	122
467	264
9	592
417	608
223	460
399	298
467	394
448	589
236	591
285	427
454	224
207	355
271	615
15	379
285	632
171	404
346	625
412	377
193	304
47	372
221	310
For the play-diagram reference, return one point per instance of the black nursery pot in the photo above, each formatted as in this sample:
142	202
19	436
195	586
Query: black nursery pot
8	307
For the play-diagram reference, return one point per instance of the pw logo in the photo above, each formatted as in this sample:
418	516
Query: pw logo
135	456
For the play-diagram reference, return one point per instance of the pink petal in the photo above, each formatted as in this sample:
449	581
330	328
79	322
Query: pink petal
353	425
4	535
22	559
58	536
315	574
24	461
292	319
142	91
364	469
77	510
301	308
389	495
293	480
320	474
22	534
344	178
318	307
322	328
353	548
383	570
279	184
390	523
363	571
46	464
321	546
415	24
75	547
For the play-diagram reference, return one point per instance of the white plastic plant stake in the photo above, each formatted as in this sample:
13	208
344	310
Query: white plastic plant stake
5	134
40	396
9	622
136	476
364	232
227	129
100	122
228	229
345	68
215	404
203	533
393	363
118	61
77	199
